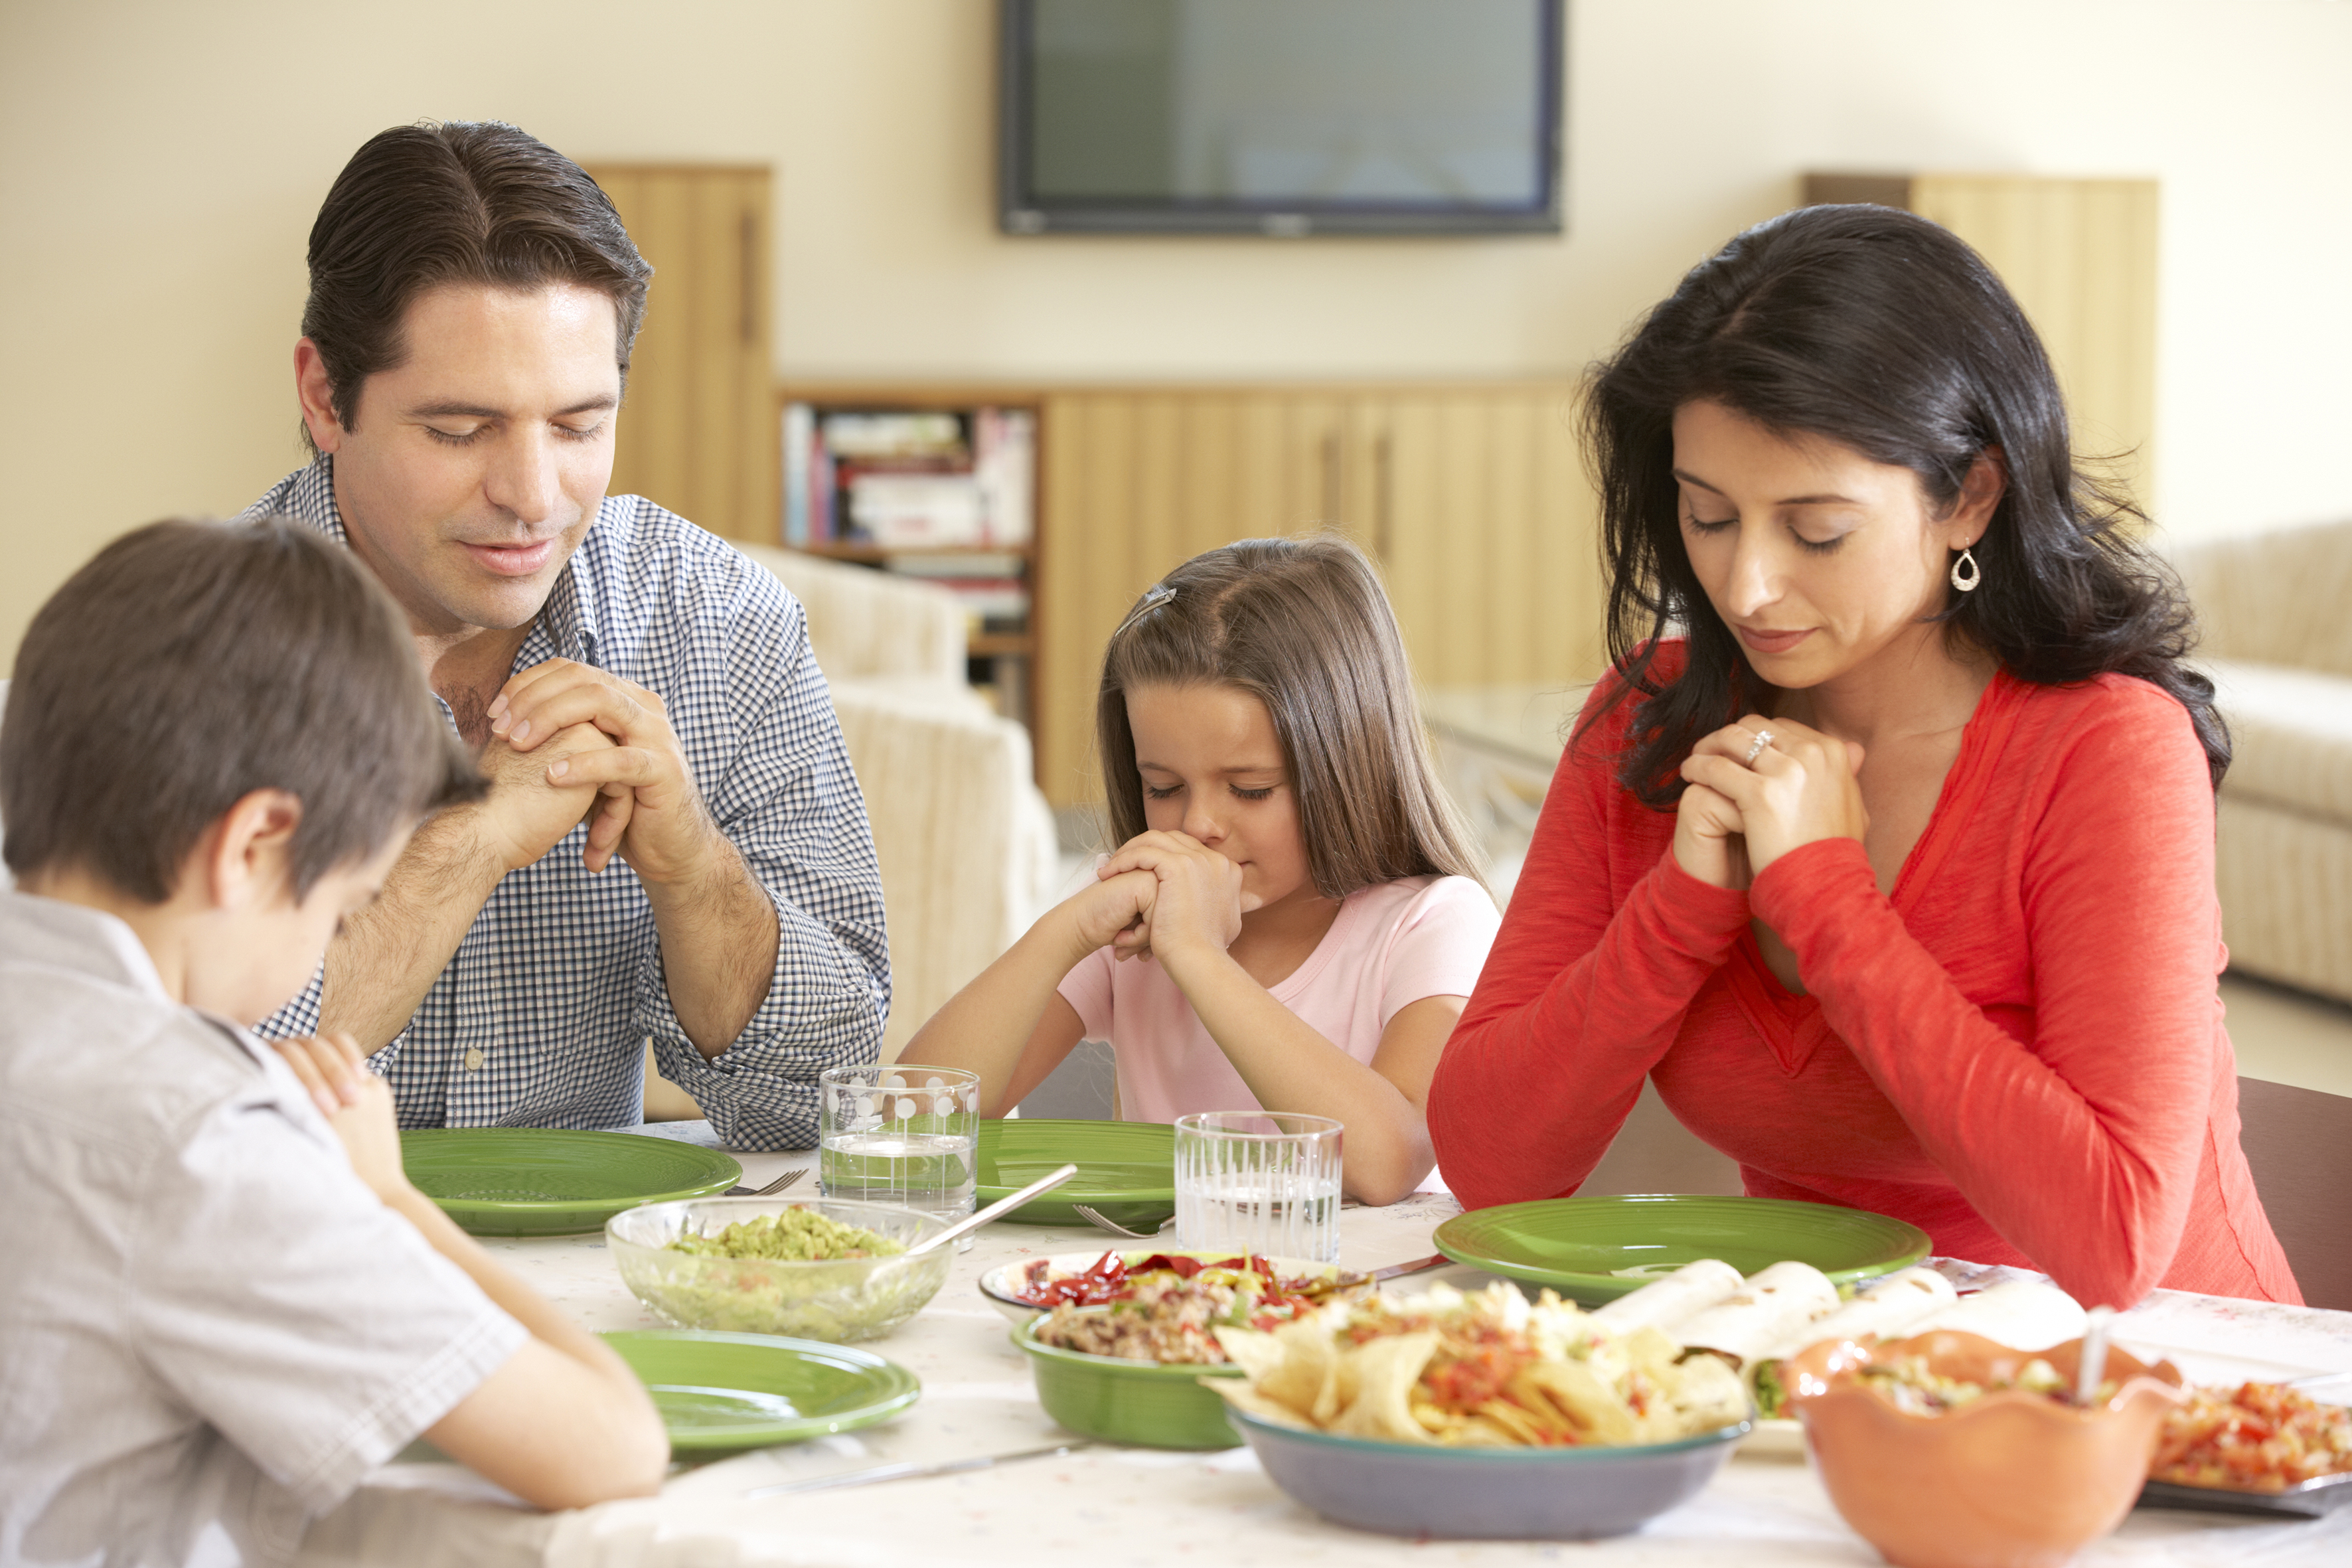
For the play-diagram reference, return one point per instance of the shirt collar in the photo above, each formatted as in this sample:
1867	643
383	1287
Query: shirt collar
570	618
74	936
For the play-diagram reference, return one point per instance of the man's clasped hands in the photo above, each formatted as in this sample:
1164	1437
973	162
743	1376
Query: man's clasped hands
568	743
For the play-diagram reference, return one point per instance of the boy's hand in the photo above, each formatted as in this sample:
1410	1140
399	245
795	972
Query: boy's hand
357	1104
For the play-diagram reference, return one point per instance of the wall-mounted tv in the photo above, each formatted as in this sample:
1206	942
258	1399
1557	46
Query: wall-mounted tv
1279	117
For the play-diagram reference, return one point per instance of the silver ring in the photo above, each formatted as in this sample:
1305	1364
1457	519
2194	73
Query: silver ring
1763	739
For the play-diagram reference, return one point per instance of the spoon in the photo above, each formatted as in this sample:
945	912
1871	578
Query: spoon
2095	1356
1005	1205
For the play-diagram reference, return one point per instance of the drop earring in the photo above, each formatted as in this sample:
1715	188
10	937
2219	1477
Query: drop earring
1966	574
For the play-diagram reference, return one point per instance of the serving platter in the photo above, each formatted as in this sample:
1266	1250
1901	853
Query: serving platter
1127	1169
2309	1500
719	1390
535	1180
1595	1249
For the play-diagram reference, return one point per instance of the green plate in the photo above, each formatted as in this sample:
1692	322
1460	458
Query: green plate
751	1390
1122	1401
536	1181
1127	1169
1597	1249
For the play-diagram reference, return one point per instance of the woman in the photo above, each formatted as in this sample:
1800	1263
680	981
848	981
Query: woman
1894	871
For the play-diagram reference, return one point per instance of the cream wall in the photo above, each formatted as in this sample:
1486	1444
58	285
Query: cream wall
160	163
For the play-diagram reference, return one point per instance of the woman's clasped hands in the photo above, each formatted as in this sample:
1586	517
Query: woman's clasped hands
1761	788
1172	894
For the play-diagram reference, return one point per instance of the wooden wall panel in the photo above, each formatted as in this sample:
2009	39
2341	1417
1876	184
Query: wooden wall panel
1509	557
1567	639
1415	546
2080	256
697	432
1468	497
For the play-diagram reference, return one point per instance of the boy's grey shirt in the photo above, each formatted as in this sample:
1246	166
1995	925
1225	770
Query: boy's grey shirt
210	1329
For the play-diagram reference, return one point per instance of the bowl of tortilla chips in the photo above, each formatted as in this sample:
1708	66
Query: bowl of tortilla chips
1483	1417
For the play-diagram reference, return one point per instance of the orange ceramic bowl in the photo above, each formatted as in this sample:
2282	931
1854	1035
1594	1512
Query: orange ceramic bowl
2009	1480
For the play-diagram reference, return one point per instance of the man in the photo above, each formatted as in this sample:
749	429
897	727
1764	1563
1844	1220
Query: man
673	847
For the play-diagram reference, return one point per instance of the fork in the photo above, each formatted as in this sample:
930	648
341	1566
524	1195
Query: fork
778	1185
1097	1219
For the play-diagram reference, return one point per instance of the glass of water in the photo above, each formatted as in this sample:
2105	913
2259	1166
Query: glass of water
1258	1181
898	1133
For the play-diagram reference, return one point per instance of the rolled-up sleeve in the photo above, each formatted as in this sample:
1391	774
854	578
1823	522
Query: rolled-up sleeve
789	803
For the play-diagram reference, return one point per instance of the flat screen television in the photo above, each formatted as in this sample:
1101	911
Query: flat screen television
1279	117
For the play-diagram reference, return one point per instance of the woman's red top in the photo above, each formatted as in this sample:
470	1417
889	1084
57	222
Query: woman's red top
2021	1051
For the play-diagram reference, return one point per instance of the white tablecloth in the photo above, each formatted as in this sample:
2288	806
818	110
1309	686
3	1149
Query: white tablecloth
1141	1507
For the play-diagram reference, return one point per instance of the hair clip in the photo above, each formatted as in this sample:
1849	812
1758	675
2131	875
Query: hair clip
1159	595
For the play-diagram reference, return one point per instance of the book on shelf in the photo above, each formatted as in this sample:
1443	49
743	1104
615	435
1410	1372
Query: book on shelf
898	481
800	432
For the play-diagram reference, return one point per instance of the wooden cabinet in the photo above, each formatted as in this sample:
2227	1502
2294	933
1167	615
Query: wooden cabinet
697	432
2080	257
1471	496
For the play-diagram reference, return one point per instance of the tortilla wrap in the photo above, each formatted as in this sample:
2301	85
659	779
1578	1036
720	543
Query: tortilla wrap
1772	1306
2023	1314
1889	1309
1661	1304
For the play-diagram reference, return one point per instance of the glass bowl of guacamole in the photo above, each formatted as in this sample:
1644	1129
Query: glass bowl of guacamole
817	1269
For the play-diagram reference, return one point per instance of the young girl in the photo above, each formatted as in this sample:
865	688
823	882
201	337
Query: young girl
1293	919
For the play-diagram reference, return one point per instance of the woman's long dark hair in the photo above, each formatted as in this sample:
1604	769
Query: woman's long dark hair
1885	334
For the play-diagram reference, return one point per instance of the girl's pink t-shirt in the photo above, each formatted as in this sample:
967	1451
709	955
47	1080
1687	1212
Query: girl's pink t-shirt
1391	946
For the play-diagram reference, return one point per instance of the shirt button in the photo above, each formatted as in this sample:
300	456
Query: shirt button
473	1058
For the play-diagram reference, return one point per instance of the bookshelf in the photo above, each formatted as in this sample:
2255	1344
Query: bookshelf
1468	494
950	476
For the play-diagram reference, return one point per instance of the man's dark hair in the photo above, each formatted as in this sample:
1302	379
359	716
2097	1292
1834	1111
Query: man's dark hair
190	664
424	206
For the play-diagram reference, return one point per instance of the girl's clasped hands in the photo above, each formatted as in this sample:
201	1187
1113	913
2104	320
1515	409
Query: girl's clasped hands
1179	897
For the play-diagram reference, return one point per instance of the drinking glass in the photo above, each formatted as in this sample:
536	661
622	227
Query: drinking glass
899	1132
1258	1181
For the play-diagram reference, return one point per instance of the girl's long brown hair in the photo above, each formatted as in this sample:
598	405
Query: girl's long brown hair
1303	625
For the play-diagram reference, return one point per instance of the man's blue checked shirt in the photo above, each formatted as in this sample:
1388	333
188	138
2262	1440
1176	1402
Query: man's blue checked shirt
542	1017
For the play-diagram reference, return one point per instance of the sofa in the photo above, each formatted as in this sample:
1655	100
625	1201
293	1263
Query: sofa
2275	610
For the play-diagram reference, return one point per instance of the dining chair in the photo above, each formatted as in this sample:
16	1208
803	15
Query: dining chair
1656	1153
1084	1087
2299	1144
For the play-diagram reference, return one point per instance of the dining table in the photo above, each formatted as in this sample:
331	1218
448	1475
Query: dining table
1051	1500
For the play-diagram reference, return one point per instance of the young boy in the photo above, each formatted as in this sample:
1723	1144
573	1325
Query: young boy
221	1302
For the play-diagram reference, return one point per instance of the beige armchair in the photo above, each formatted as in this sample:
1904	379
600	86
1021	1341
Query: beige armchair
2278	643
964	836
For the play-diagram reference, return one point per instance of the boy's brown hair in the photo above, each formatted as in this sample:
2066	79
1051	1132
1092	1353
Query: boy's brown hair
1303	625
189	663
